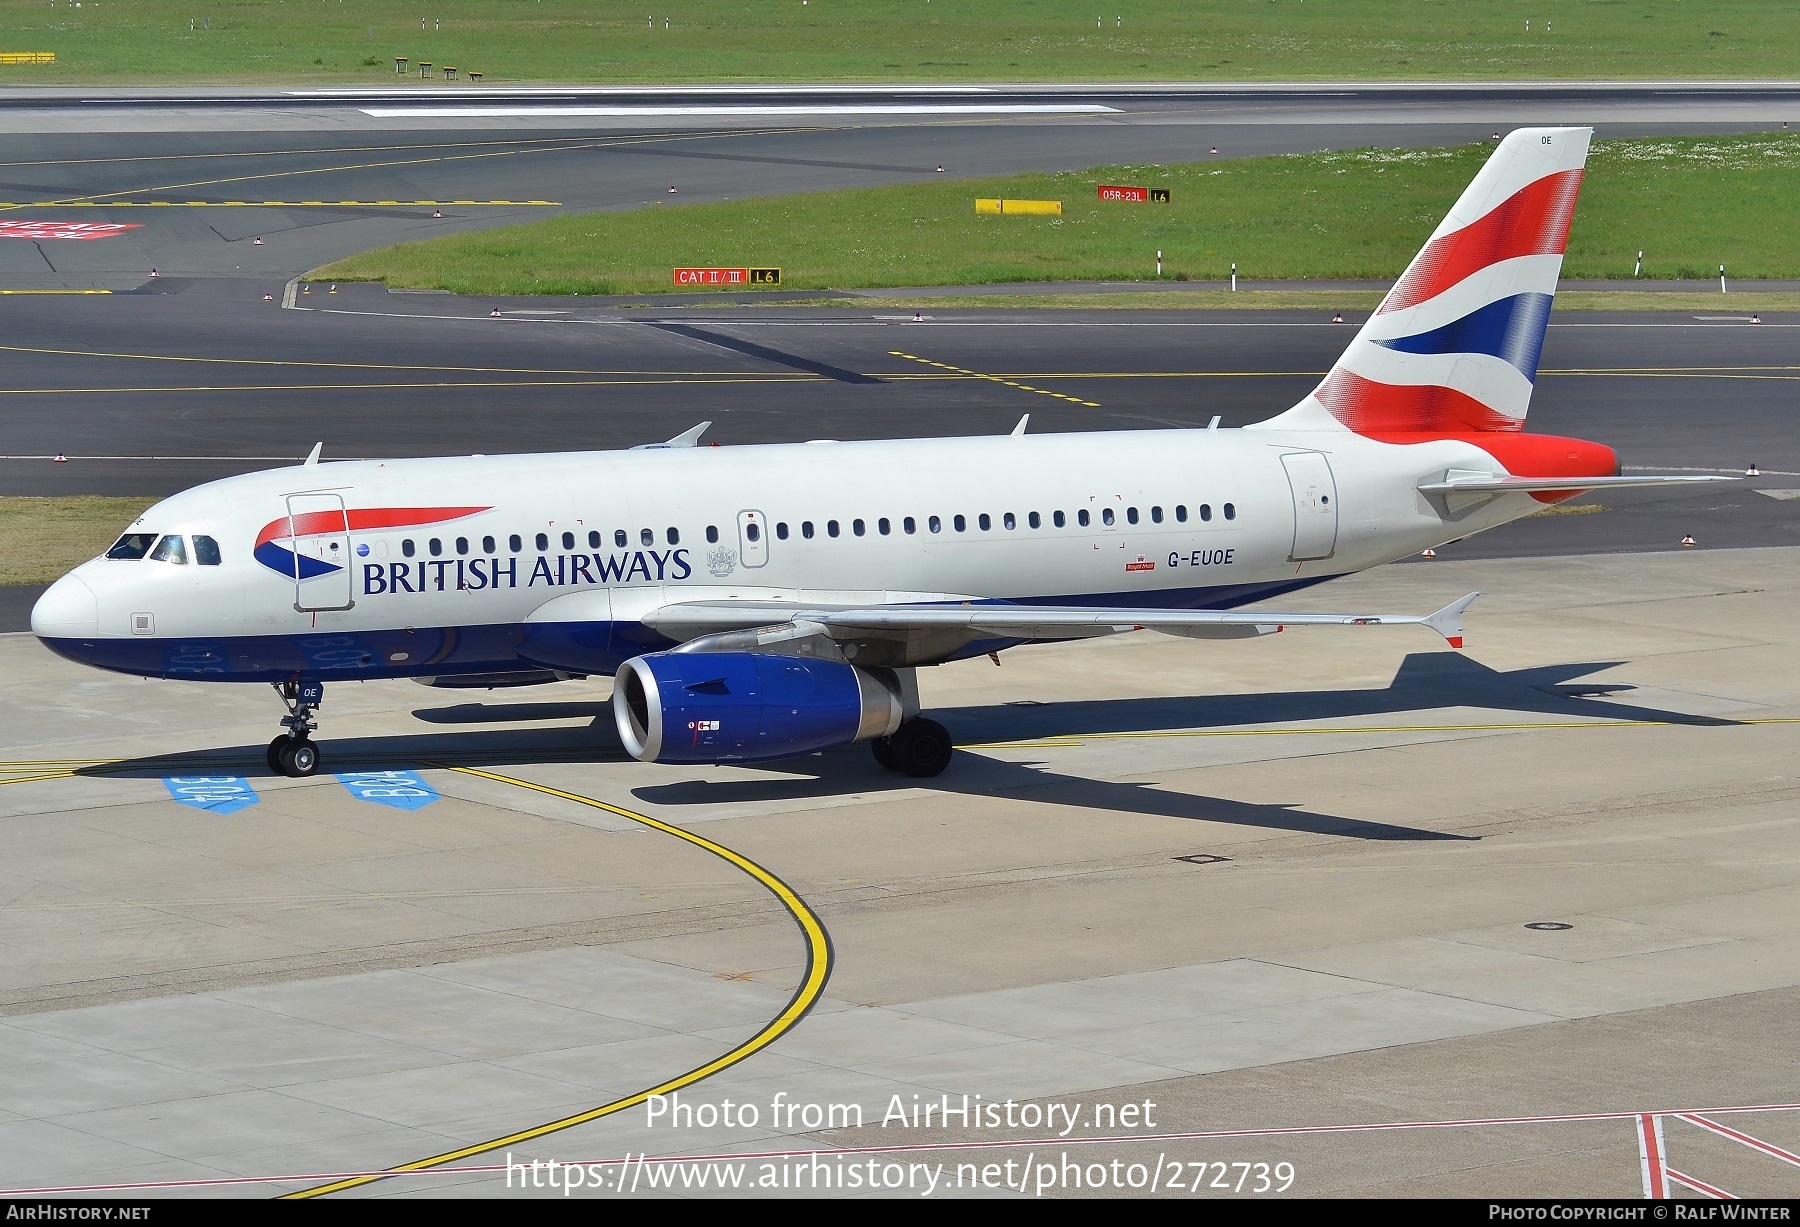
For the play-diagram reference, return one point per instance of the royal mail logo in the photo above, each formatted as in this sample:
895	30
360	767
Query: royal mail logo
65	230
1142	564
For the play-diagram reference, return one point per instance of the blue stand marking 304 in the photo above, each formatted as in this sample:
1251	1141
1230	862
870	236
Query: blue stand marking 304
216	794
400	789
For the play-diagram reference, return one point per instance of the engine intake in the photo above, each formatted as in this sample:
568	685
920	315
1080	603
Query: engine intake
735	707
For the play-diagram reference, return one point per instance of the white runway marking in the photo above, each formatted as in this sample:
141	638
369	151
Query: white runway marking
527	110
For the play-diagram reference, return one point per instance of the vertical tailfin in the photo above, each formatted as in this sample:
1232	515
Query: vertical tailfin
1454	346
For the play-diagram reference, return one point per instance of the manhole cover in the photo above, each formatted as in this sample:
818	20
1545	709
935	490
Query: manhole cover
1548	924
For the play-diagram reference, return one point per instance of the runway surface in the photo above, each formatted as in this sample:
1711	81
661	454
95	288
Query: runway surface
200	175
1275	886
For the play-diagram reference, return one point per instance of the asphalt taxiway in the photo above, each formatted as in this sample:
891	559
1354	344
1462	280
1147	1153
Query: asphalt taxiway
1286	885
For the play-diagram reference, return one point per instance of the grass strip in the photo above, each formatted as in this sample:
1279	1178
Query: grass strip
1690	204
41	538
285	41
1737	303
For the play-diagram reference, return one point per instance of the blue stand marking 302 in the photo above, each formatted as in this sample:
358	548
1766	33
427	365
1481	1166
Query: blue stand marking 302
400	789
216	794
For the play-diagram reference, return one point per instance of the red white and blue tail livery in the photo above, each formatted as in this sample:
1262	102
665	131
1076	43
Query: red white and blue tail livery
768	601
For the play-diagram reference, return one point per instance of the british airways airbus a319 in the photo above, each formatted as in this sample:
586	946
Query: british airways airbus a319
761	602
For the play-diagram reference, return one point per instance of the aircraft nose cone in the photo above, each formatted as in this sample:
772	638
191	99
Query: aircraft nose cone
68	610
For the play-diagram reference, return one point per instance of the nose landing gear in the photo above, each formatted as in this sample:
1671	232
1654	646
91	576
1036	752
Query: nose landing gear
293	754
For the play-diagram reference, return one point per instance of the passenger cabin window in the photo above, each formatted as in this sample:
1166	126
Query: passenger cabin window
712	534
206	552
1181	513
543	541
883	527
960	524
781	530
1081	517
407	548
132	546
513	543
806	529
1205	512
935	525
1010	521
1230	512
856	526
1106	515
462	545
1057	518
647	536
753	532
619	538
487	545
1156	515
910	525
985	520
594	538
435	547
568	541
1035	520
831	528
170	549
1131	515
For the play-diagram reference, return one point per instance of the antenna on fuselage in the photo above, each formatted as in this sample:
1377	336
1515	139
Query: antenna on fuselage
312	457
1020	428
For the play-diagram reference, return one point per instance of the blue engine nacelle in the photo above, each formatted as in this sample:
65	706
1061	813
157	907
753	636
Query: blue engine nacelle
737	707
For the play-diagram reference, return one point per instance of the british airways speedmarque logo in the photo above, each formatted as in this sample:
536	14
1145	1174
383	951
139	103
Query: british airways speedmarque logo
282	544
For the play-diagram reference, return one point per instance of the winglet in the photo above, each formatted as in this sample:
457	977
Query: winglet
312	457
687	438
1448	620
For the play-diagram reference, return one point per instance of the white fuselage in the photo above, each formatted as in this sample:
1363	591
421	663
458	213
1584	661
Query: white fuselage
444	558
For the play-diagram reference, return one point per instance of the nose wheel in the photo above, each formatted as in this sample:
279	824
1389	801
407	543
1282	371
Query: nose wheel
293	754
296	759
919	748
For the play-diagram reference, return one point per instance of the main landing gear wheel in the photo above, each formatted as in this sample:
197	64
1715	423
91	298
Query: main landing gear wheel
883	750
298	759
273	758
919	748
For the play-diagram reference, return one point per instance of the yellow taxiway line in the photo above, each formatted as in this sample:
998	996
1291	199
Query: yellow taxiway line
806	995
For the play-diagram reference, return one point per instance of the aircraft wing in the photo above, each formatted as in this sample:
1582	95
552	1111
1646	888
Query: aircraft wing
694	619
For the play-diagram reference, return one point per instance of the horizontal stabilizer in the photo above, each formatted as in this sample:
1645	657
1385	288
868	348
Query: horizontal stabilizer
1524	485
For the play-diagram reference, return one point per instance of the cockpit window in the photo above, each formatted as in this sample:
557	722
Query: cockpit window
206	551
132	546
170	549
